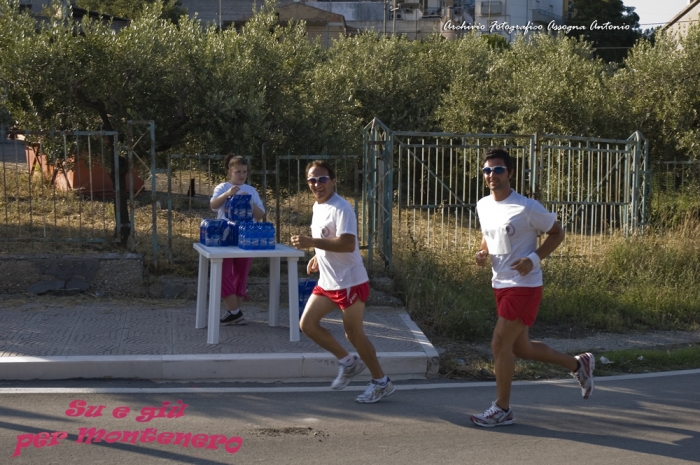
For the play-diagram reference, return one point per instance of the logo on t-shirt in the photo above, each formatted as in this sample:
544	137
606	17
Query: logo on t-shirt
510	230
325	232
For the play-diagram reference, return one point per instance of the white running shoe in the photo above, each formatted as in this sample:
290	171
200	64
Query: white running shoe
346	372
375	392
493	416
584	375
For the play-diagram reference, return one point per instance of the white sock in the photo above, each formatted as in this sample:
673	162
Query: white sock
346	360
382	380
235	312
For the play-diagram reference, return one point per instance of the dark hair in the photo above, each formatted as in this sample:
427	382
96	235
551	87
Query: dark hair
321	164
236	159
499	153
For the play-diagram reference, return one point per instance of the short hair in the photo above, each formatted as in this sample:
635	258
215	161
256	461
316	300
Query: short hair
321	164
236	159
498	153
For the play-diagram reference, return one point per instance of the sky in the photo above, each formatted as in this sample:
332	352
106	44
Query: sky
655	11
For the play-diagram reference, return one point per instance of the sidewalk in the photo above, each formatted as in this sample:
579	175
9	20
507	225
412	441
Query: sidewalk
82	337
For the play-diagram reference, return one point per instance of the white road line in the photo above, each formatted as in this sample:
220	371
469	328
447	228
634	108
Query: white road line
306	389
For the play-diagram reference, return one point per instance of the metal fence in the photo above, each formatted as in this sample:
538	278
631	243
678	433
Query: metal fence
57	189
407	188
676	189
180	195
293	200
422	188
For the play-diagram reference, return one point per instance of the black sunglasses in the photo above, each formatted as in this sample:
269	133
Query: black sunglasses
496	169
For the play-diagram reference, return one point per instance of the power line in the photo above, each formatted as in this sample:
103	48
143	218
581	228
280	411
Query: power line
686	21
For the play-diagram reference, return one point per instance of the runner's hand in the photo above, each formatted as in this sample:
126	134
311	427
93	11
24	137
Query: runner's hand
522	266
481	257
312	267
301	242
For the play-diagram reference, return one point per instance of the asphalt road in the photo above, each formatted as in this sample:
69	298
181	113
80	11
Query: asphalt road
642	419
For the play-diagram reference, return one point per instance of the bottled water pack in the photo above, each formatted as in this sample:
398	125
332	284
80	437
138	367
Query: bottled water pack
306	286
218	232
238	208
256	236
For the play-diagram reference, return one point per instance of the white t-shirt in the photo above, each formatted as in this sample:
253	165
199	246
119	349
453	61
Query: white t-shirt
339	270
245	189
510	228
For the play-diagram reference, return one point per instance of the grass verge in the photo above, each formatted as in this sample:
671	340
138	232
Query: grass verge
479	365
630	284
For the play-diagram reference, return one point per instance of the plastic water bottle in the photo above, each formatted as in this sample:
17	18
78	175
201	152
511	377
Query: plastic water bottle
225	233
237	208
255	236
270	236
213	233
227	208
263	236
242	236
250	236
233	233
203	231
248	211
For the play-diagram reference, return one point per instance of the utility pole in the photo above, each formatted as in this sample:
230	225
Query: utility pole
385	5
220	14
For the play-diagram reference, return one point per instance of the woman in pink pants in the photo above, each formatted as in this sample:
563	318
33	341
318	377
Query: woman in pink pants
234	276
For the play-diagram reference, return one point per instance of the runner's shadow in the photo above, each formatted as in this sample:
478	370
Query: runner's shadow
687	448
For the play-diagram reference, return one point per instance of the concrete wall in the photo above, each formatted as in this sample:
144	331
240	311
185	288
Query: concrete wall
231	10
411	29
354	11
100	274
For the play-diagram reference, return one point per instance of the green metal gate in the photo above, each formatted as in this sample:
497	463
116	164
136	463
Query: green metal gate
421	188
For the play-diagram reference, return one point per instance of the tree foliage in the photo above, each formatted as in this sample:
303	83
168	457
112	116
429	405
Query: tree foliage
658	92
215	91
133	9
609	25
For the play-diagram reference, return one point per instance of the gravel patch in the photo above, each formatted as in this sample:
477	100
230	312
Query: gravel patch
612	341
604	342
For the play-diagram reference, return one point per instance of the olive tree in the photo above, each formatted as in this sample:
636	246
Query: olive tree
659	90
471	104
370	75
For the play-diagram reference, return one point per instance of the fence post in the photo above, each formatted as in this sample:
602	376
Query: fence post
388	199
534	165
277	197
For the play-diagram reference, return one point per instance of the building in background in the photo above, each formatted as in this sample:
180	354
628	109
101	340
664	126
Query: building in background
42	10
416	20
679	24
502	16
321	24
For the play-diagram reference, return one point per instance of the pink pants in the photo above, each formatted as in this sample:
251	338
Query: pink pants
234	277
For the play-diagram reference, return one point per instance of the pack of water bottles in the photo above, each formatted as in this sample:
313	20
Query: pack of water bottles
306	286
238	208
218	232
256	236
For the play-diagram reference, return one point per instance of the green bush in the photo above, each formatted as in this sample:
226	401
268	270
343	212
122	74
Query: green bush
632	284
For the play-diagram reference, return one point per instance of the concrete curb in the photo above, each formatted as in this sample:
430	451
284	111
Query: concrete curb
433	358
300	367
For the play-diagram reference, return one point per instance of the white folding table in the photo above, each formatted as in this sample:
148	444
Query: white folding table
214	256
